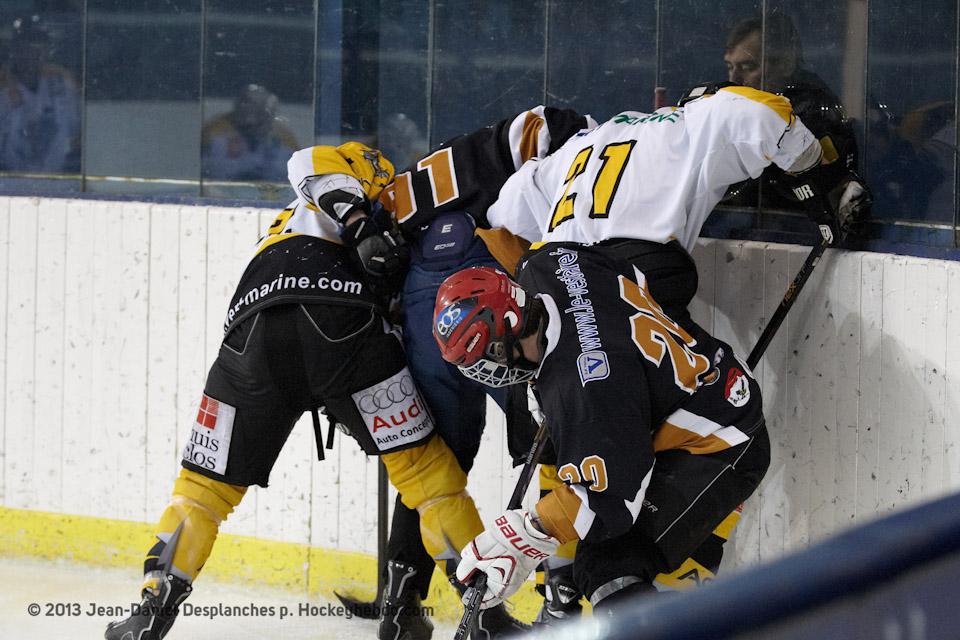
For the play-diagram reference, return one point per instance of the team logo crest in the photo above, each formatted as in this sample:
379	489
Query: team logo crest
209	444
374	159
737	389
450	318
593	365
394	412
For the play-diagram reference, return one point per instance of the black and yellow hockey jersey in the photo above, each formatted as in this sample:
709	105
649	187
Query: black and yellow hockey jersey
467	172
620	381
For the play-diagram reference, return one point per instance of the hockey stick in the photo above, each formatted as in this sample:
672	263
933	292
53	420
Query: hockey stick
788	299
474	592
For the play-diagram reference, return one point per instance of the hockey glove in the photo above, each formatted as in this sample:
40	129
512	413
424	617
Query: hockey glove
508	553
834	197
384	255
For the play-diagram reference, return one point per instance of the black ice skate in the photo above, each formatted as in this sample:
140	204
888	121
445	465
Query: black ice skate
495	622
402	616
156	612
561	600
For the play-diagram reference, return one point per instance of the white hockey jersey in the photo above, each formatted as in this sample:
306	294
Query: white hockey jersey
653	176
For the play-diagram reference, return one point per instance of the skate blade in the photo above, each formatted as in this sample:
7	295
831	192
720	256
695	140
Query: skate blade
359	608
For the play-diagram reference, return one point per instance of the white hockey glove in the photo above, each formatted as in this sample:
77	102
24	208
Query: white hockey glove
508	553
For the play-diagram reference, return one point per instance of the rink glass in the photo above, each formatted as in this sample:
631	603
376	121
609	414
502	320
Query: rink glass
144	97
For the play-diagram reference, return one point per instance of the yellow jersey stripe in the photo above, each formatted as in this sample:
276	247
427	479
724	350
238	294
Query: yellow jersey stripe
558	512
275	239
529	139
725	528
505	247
670	436
780	105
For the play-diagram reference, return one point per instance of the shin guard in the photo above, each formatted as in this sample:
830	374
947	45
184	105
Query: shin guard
190	524
431	481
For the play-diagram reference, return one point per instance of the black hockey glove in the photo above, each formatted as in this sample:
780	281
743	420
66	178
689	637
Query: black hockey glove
384	255
834	197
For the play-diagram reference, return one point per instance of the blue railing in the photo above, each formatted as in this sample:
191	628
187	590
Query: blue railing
892	578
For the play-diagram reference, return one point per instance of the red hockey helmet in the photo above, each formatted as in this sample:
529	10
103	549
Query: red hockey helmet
478	319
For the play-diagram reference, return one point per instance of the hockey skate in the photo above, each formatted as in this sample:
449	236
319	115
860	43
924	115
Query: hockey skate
152	619
496	622
561	601
402	616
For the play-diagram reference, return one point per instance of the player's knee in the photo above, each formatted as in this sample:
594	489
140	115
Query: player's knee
215	498
425	473
601	569
447	524
190	524
430	480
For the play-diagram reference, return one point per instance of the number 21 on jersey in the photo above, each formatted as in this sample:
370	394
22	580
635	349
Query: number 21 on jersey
613	160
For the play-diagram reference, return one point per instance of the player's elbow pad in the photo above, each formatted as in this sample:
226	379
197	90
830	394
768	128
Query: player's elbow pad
340	204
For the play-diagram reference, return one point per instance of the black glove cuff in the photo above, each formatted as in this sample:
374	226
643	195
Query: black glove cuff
358	231
340	204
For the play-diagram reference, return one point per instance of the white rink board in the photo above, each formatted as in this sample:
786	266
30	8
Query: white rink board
109	330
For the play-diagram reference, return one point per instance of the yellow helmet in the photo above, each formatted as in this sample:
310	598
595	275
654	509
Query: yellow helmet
354	158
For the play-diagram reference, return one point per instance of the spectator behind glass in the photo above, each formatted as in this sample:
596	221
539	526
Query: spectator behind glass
401	141
248	143
39	106
783	73
911	161
784	59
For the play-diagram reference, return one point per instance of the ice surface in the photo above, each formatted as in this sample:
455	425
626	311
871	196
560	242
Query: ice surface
25	582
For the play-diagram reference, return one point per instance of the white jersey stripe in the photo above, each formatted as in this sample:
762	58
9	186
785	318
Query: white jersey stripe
705	427
585	514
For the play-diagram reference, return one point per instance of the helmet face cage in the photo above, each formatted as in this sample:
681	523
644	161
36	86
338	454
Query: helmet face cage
492	374
477	323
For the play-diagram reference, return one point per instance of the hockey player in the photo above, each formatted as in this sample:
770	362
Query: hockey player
440	204
599	321
303	329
